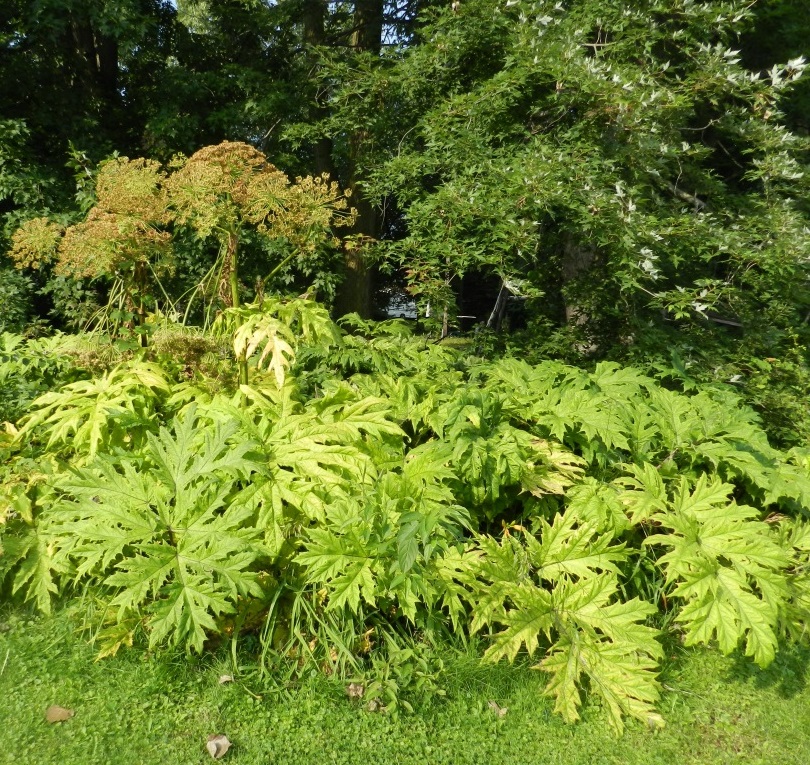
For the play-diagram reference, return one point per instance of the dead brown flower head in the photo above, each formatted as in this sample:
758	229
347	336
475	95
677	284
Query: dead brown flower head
35	243
106	243
133	188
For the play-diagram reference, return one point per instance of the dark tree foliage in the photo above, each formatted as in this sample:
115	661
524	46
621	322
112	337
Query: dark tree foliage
781	31
83	72
443	119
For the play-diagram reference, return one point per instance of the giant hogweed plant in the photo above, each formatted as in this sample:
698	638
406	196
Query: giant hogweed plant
114	410
656	460
167	531
370	481
560	586
138	229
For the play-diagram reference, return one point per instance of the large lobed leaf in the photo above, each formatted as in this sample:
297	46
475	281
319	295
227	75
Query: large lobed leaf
728	567
593	639
170	534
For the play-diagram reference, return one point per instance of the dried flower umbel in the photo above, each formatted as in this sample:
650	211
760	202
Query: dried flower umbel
35	243
220	192
220	189
122	232
134	188
109	244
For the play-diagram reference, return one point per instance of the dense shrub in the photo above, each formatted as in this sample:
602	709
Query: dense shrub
372	487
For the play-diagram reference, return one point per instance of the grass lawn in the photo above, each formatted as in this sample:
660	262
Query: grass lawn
157	710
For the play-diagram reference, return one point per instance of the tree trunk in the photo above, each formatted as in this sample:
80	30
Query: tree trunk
576	260
107	67
314	17
368	24
98	57
355	293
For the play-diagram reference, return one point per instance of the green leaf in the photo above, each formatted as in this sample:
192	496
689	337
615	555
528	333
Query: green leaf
729	569
643	492
598	504
532	615
354	580
169	532
568	547
34	574
86	415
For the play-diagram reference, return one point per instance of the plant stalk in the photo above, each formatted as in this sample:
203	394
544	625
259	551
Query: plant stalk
233	278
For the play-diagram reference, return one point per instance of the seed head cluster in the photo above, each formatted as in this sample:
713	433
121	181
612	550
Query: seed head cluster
35	243
108	243
217	191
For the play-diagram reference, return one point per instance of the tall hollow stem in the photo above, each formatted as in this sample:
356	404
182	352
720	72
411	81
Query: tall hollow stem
233	278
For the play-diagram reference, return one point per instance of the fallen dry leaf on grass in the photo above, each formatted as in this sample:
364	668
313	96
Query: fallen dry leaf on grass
55	714
218	746
355	690
497	709
225	679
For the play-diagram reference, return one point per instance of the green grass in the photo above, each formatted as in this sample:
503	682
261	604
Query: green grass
156	709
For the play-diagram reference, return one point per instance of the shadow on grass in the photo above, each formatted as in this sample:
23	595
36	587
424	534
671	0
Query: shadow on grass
787	674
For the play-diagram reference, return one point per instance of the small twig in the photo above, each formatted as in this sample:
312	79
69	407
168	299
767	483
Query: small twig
686	196
271	129
493	317
5	662
672	689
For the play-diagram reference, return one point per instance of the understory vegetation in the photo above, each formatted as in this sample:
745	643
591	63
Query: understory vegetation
367	492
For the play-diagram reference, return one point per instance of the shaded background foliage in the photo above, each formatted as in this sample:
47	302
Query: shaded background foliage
480	140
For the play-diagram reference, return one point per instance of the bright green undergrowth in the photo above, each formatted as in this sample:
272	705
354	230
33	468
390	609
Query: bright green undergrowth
154	709
367	493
